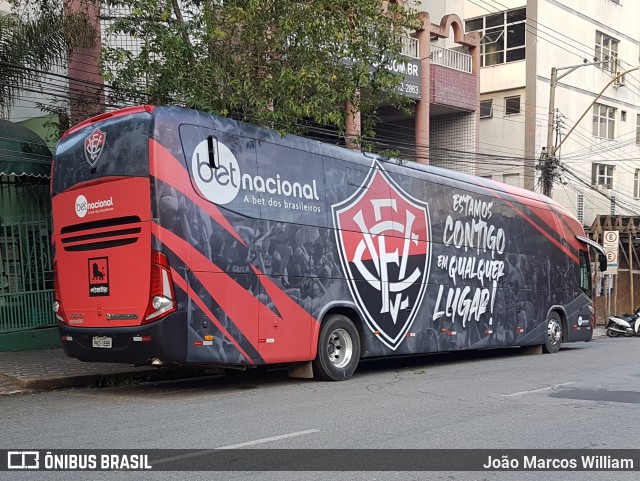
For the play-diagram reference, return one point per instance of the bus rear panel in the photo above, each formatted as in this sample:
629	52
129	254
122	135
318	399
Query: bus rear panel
107	274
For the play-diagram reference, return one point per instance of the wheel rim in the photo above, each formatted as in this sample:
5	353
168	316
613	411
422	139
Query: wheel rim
340	348
554	331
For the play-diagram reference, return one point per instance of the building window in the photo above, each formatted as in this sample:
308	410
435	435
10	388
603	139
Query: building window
638	129
511	179
604	121
636	184
607	49
512	105
502	36
602	174
623	115
486	109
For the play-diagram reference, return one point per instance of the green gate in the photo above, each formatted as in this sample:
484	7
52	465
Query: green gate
26	264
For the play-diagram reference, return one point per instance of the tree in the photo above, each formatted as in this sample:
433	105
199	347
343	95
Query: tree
35	41
272	62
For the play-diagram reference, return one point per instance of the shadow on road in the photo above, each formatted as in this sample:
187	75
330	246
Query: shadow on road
234	381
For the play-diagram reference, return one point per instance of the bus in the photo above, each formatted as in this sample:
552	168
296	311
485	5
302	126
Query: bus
185	238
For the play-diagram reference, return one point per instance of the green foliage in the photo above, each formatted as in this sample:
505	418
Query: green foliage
272	62
32	43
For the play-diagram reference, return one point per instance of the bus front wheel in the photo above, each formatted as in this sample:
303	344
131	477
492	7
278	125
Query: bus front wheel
553	337
338	349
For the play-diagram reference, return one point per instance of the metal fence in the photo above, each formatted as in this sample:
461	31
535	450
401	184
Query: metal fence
26	264
450	58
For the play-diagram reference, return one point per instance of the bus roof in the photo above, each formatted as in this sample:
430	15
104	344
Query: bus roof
301	143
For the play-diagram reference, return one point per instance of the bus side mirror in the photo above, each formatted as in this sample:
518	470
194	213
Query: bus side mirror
602	262
212	144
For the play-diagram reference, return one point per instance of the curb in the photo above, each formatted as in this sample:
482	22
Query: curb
9	386
137	375
113	376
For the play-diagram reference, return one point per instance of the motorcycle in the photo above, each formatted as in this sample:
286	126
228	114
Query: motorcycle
628	324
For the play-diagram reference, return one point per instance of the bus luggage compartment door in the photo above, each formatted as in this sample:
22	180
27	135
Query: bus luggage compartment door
285	325
223	321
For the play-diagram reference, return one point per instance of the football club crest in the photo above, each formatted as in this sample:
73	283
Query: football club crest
94	145
383	235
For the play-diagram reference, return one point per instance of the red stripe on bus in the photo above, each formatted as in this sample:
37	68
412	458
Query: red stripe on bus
290	310
184	286
243	308
164	166
571	255
541	203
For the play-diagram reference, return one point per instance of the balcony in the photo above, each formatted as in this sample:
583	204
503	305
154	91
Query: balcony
409	47
450	58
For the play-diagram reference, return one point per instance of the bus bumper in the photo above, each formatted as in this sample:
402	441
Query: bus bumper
164	340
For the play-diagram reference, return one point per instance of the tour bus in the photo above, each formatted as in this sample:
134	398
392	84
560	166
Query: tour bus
185	238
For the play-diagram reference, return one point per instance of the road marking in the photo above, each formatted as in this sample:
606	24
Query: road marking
550	388
233	446
266	440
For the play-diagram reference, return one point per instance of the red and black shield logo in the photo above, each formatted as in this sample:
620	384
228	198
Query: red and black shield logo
382	234
99	276
94	145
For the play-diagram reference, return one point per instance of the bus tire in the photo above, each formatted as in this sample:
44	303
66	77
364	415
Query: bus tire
553	334
338	349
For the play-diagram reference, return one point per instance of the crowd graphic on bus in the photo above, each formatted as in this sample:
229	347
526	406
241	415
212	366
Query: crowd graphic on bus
477	298
253	224
478	294
299	259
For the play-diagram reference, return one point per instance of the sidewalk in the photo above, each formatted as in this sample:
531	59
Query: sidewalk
29	371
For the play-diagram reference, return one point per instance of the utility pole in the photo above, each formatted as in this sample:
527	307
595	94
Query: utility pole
549	162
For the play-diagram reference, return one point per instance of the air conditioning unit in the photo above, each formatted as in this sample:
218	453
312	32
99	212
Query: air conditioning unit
619	81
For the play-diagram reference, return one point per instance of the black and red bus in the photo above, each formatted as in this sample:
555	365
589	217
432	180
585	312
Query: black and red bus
185	238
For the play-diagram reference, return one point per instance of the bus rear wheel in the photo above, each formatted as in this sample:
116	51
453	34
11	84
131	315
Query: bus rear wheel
553	337
338	349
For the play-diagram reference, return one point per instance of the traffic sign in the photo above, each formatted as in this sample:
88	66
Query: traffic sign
610	242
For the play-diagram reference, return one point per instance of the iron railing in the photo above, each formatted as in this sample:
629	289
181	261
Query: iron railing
409	46
450	58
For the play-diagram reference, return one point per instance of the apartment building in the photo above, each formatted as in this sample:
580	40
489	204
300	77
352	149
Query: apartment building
596	115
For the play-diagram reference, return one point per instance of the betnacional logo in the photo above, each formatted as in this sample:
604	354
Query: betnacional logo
99	276
382	234
222	185
83	207
219	185
94	145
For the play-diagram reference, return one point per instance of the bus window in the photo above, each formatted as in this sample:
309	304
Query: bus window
118	146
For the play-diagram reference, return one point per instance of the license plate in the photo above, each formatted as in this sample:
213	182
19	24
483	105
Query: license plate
102	342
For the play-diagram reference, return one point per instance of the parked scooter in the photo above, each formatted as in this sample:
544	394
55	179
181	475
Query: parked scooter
628	325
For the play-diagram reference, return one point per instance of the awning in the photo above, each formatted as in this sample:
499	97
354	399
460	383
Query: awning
22	152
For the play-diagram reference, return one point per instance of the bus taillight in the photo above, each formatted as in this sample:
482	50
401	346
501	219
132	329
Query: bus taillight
161	296
57	306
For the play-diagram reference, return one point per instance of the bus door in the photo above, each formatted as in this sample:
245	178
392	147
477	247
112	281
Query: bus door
292	214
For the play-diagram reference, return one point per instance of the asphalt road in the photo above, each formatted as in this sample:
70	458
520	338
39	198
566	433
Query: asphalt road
586	396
